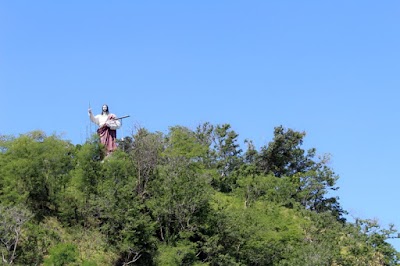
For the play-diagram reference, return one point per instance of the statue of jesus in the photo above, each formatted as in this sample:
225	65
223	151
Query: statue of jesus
108	125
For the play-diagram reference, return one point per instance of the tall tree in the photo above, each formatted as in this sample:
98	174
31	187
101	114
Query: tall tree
145	152
223	153
180	191
34	168
284	156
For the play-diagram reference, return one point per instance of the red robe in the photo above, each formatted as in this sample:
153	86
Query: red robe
108	136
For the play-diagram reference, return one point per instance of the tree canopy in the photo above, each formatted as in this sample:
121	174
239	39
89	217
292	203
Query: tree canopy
186	197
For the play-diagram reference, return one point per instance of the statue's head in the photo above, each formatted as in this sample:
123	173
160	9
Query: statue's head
104	109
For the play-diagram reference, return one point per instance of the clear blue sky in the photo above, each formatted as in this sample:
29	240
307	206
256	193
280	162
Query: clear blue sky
330	68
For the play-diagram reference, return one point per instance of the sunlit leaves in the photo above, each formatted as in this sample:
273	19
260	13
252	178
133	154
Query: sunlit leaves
181	198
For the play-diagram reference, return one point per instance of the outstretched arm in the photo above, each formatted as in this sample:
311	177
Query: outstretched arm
92	117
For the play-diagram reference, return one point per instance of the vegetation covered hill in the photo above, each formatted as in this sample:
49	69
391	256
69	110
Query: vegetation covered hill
188	197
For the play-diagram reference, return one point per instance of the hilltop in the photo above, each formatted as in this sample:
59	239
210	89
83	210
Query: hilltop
187	197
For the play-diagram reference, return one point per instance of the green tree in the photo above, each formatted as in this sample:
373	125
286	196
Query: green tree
179	194
223	153
34	169
35	243
180	253
267	188
284	156
255	235
121	213
184	198
366	241
145	152
179	200
62	254
82	185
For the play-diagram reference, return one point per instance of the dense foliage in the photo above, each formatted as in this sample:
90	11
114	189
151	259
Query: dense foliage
188	197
